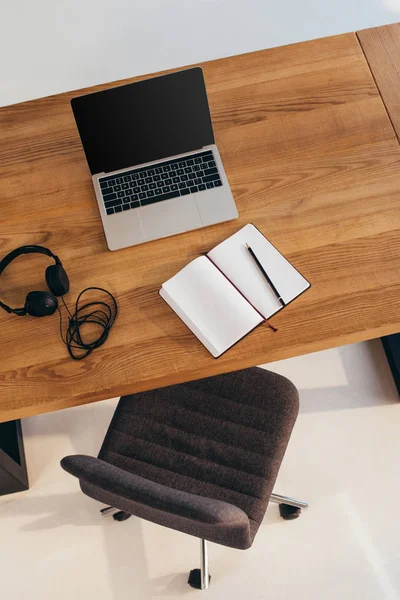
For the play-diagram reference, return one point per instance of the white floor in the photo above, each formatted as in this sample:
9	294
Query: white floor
343	457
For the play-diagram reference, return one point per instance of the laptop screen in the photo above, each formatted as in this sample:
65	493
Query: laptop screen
144	121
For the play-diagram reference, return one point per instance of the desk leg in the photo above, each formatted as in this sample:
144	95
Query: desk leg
13	474
391	345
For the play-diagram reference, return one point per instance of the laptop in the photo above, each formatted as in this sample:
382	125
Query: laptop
151	151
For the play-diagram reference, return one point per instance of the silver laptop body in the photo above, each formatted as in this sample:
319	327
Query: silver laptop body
161	197
166	217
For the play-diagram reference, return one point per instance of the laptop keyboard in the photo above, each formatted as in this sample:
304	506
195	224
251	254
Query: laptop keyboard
163	181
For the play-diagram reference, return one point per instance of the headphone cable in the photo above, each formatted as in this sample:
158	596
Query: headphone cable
97	312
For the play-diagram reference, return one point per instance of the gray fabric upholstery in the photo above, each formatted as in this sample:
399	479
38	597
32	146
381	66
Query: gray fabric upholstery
152	501
200	457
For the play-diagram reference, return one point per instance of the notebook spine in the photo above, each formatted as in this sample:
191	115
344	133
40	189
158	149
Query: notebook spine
241	293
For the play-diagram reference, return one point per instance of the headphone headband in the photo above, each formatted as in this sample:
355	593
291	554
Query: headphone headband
26	250
32	249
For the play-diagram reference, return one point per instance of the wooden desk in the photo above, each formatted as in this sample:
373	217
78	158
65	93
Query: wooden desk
381	46
312	160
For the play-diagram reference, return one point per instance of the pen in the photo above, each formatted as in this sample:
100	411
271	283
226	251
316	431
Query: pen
259	265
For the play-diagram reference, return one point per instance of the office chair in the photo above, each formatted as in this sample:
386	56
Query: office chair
199	457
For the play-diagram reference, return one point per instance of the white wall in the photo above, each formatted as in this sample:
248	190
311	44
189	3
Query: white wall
49	46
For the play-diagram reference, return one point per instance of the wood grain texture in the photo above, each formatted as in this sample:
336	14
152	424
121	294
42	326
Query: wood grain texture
381	46
312	160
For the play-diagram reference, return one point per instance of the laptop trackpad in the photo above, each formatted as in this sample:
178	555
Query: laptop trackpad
169	216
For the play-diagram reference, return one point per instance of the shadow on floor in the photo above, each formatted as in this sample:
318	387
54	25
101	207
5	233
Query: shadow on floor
123	542
366	378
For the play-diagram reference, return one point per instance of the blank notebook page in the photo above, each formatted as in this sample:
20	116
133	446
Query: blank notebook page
209	305
233	258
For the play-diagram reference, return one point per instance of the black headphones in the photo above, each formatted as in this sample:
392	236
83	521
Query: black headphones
39	304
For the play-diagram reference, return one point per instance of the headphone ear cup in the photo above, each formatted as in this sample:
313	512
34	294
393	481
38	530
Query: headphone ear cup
40	304
57	280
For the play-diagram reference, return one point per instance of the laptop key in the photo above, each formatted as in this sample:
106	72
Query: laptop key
176	179
158	191
126	207
197	160
110	211
121	194
160	184
197	181
135	197
188	169
174	187
158	170
185	192
196	168
166	168
190	162
168	182
192	175
173	173
119	180
210	171
144	188
180	172
160	198
182	185
118	209
135	176
152	186
193	189
164	176
103	184
117	188
211	164
109	197
132	184
136	190
135	204
210	178
202	187
151	172
184	178
148	179
156	177
150	194
182	164
217	183
113	203
142	195
128	192
127	178
165	189
209	185
140	182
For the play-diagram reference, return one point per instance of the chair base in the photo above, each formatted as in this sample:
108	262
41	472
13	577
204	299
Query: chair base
195	579
117	515
288	512
199	579
289	508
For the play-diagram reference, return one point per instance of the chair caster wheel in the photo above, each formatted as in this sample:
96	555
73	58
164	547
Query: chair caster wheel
121	516
289	512
195	579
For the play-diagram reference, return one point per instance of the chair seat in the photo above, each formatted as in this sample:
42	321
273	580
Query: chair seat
200	457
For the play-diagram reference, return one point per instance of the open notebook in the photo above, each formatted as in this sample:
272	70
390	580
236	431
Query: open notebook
222	296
